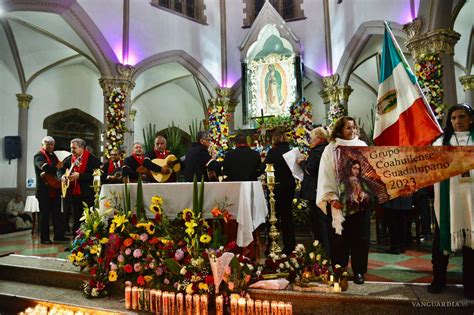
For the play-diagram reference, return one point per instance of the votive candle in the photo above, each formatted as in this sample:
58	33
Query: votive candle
266	308
135	298
258	307
250	307
219	305
189	304
233	306
180	303
204	305
274	307
242	304
281	308
288	308
196	304
128	297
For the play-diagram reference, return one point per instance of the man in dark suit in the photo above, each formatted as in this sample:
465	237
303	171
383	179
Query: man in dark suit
242	163
82	164
112	169
133	164
46	163
199	162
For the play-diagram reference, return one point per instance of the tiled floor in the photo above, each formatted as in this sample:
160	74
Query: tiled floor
412	266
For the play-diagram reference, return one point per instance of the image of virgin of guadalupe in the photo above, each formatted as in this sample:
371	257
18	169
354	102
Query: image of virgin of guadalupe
273	95
355	193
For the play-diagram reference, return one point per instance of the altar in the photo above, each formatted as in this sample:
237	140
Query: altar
249	207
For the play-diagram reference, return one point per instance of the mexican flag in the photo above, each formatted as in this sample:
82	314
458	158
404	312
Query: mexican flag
403	118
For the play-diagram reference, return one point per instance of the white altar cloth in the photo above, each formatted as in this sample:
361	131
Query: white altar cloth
249	207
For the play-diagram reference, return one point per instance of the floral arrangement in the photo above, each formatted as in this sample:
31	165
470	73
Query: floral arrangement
335	112
302	123
429	72
115	117
218	130
300	211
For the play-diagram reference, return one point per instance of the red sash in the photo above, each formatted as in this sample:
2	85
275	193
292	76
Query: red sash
139	159
162	155
52	192
76	190
112	167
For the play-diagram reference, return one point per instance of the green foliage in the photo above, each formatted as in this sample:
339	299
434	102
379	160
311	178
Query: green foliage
173	138
369	131
194	129
149	135
198	196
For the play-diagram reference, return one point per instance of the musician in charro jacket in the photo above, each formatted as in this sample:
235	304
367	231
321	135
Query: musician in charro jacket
112	169
82	164
46	162
133	164
242	163
159	151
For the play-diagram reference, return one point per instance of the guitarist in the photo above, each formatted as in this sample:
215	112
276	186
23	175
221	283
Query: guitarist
133	164
46	162
82	164
160	152
112	169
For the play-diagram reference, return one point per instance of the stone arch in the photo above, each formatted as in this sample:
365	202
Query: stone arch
77	18
358	42
74	123
184	59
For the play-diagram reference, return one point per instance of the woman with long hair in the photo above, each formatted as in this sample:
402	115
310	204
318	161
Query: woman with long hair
350	224
454	207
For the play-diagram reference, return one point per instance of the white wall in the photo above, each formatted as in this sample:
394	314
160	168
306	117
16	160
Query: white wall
164	105
8	122
57	90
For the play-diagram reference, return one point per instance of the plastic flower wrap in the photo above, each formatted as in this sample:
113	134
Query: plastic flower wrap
115	121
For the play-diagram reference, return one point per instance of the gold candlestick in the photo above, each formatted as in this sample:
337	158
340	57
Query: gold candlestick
96	185
274	234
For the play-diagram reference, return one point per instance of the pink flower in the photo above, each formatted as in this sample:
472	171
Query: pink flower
166	281
144	237
128	251
137	267
137	253
179	254
120	258
159	271
113	266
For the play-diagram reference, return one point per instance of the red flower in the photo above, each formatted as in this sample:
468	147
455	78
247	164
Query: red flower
153	240
127	242
141	281
230	246
209	280
157	218
100	260
128	268
93	271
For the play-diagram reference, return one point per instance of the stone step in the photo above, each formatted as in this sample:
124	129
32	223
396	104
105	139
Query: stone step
46	271
17	296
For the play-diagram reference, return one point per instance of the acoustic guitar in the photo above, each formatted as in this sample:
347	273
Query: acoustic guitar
65	184
173	164
51	180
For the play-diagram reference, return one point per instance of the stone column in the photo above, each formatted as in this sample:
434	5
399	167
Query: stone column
440	42
225	95
126	84
335	97
24	101
467	82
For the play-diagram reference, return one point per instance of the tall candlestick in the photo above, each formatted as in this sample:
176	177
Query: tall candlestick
219	305
180	303
128	297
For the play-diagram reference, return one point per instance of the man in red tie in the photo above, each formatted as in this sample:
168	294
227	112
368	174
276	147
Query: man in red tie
133	164
159	152
112	169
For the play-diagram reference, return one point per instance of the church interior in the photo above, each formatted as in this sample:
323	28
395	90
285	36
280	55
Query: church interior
119	72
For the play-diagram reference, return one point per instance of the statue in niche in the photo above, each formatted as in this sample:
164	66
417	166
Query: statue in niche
273	87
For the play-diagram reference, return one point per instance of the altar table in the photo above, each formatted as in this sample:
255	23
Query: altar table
248	208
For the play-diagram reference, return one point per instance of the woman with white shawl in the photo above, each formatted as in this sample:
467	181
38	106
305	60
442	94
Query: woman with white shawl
454	207
349	235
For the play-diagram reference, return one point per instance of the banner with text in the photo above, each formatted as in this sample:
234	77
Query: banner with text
391	172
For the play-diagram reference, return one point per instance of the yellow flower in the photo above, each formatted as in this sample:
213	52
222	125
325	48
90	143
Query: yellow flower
204	223
155	208
189	289
104	240
157	200
190	227
112	276
148	279
79	256
112	228
95	249
95	226
205	238
203	286
150	228
120	220
72	257
186	211
135	236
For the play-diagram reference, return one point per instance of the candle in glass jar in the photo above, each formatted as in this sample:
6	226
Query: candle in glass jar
288	308
204	305
337	287
233	306
274	308
146	299
241	306
266	308
164	303
258	307
219	305
135	298
250	307
196	304
128	297
189	304
158	301
171	302
152	300
180	303
141	300
281	308
331	278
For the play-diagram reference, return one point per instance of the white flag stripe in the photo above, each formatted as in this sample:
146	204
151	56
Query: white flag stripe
406	95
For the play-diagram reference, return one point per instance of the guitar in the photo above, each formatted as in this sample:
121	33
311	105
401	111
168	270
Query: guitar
173	164
66	182
51	180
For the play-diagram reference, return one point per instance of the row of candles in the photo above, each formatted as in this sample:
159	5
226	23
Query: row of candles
170	303
55	310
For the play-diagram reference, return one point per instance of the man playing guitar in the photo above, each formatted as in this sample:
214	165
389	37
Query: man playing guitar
159	152
46	165
112	169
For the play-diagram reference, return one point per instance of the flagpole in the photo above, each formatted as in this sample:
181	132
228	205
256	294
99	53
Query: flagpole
402	56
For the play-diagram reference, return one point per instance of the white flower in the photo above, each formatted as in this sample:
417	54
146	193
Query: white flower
287	264
258	273
300	248
283	256
315	243
95	292
183	271
311	256
250	267
281	265
318	257
325	261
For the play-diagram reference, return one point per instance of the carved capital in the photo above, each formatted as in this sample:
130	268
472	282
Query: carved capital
224	95
344	92
125	71
330	81
434	42
24	100
467	82
109	83
412	29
